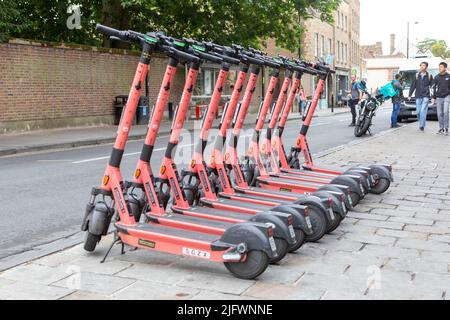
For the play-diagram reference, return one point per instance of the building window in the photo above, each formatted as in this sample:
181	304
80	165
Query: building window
330	46
346	53
322	46
346	27
339	51
316	44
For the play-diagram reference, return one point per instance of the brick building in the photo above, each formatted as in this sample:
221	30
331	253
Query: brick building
339	45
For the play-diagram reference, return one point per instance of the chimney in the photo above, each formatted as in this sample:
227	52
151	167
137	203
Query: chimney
392	44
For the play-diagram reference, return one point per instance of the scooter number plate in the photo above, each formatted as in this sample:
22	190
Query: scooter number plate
361	187
272	244
350	200
291	231
331	213
414	113
344	207
308	222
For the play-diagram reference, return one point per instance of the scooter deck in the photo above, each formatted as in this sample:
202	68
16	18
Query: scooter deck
235	205
223	215
299	175
287	184
210	226
291	179
245	196
160	231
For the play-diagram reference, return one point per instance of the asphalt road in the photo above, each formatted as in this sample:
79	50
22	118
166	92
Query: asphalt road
43	195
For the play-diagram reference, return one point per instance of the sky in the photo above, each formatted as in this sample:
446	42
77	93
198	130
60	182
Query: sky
380	18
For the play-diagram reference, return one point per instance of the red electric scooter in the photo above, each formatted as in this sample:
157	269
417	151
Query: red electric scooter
169	178
246	245
240	191
196	184
378	177
257	160
273	147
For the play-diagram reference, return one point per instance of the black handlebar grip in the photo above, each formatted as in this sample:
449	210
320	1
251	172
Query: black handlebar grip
209	57
110	31
271	64
183	55
230	60
251	60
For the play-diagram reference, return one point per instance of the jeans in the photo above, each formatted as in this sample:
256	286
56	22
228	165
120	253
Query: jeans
395	112
422	110
442	111
353	104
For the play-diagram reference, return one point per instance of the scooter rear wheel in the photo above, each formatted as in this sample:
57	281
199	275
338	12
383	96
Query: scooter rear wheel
382	185
300	236
255	264
282	250
90	242
336	222
319	225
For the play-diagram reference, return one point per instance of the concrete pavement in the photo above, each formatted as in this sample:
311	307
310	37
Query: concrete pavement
392	246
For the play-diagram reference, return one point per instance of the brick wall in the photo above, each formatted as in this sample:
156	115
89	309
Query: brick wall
43	85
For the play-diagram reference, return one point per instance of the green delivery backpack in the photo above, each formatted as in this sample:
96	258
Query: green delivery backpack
388	91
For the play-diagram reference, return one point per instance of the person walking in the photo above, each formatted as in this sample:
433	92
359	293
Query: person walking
421	86
441	95
355	97
397	100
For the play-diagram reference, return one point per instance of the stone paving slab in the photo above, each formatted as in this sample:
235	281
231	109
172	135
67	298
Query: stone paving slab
392	246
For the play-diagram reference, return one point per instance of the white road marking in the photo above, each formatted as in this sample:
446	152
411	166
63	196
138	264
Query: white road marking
55	160
125	155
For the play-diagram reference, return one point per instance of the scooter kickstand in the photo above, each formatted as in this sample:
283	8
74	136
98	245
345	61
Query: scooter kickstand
116	240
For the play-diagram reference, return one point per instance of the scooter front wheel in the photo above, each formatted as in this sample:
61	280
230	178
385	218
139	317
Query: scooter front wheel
300	236
381	186
90	242
255	264
319	225
282	250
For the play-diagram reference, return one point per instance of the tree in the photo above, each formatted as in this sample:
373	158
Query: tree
246	22
11	20
437	47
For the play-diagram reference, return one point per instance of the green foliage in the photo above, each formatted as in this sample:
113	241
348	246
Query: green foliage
10	19
438	48
247	22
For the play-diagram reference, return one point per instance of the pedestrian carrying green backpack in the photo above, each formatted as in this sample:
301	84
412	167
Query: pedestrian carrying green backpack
388	91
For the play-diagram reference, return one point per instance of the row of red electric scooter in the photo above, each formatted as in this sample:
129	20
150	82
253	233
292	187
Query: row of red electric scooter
246	214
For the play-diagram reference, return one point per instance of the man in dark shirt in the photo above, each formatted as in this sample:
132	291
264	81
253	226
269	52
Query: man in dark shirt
421	85
441	94
396	100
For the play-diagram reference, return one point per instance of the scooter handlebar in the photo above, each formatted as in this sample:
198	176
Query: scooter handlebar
180	54
207	56
272	64
111	32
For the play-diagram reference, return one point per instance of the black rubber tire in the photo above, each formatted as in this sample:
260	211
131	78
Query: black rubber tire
256	263
300	236
336	223
319	225
382	185
355	198
90	241
282	250
361	129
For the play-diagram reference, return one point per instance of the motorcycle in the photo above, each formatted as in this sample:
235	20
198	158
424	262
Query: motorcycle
367	111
